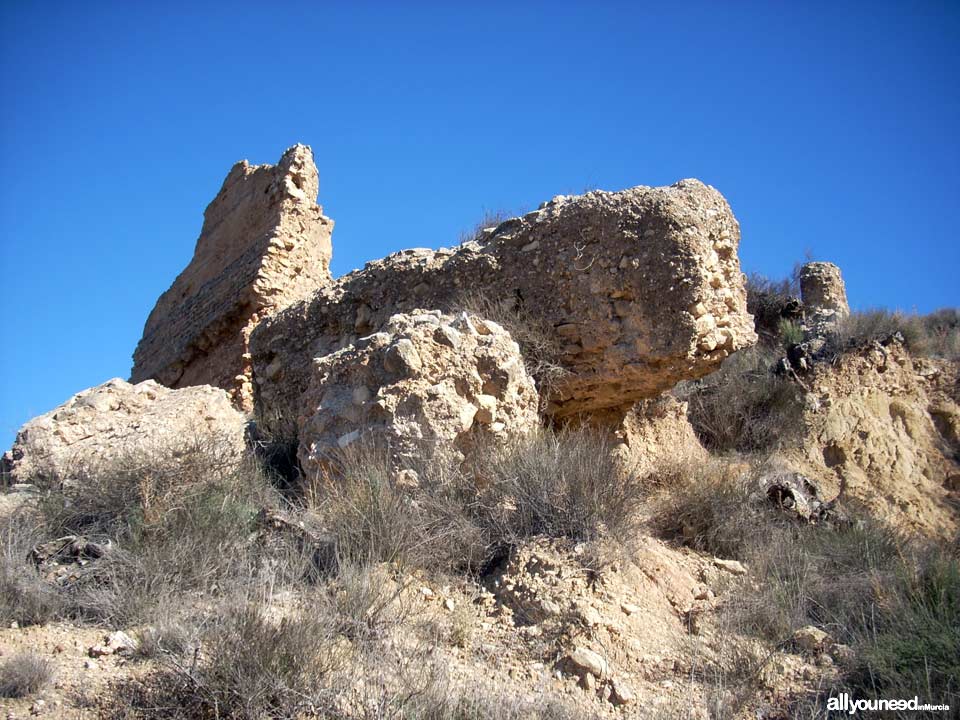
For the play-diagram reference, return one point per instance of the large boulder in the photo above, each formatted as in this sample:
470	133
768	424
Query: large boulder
424	382
265	243
117	418
640	289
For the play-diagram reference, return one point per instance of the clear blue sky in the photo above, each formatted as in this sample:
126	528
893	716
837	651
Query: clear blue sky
830	127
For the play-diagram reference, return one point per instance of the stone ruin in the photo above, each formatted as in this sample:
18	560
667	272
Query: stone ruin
637	290
824	297
265	243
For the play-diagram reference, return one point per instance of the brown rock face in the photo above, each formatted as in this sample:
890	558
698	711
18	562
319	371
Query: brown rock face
425	382
265	243
117	417
881	425
641	288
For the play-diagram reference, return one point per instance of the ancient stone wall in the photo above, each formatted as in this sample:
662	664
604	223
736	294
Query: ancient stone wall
265	243
640	289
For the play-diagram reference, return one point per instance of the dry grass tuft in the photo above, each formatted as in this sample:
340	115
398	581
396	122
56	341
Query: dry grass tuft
23	675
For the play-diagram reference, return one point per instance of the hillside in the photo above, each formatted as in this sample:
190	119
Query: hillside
578	465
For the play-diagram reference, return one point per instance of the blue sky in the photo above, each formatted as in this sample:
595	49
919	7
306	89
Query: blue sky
832	128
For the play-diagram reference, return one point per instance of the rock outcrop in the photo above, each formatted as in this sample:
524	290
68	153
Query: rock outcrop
424	382
265	243
115	418
640	289
824	296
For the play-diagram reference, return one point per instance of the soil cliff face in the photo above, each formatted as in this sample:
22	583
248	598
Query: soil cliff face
883	426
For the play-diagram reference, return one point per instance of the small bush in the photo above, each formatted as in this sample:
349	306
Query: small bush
707	511
911	645
25	596
24	674
934	335
490	219
767	300
374	520
744	406
557	483
177	520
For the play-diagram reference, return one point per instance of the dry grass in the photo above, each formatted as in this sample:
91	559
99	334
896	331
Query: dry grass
896	603
745	406
24	674
564	483
933	335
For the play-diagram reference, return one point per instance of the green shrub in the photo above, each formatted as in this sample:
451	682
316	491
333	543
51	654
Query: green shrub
911	645
766	300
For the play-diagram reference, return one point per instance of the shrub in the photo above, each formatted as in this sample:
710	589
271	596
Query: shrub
564	483
24	674
25	597
176	519
707	511
934	335
744	406
766	301
911	646
490	219
374	520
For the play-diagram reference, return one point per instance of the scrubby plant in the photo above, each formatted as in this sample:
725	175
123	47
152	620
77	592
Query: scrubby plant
766	301
24	674
25	596
933	335
565	483
745	406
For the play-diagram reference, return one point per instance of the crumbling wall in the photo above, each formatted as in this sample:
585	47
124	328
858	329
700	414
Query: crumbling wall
640	289
265	243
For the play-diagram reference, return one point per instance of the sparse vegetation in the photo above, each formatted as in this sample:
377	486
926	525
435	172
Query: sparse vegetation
539	343
933	335
23	675
745	406
556	483
895	603
767	300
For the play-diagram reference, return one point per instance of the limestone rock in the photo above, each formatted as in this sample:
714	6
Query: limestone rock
424	381
824	296
640	288
109	419
265	243
587	661
811	640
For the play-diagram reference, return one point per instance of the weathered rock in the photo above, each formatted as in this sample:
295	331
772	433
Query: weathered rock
424	381
640	289
117	417
265	243
586	661
879	433
811	640
652	434
734	567
824	296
